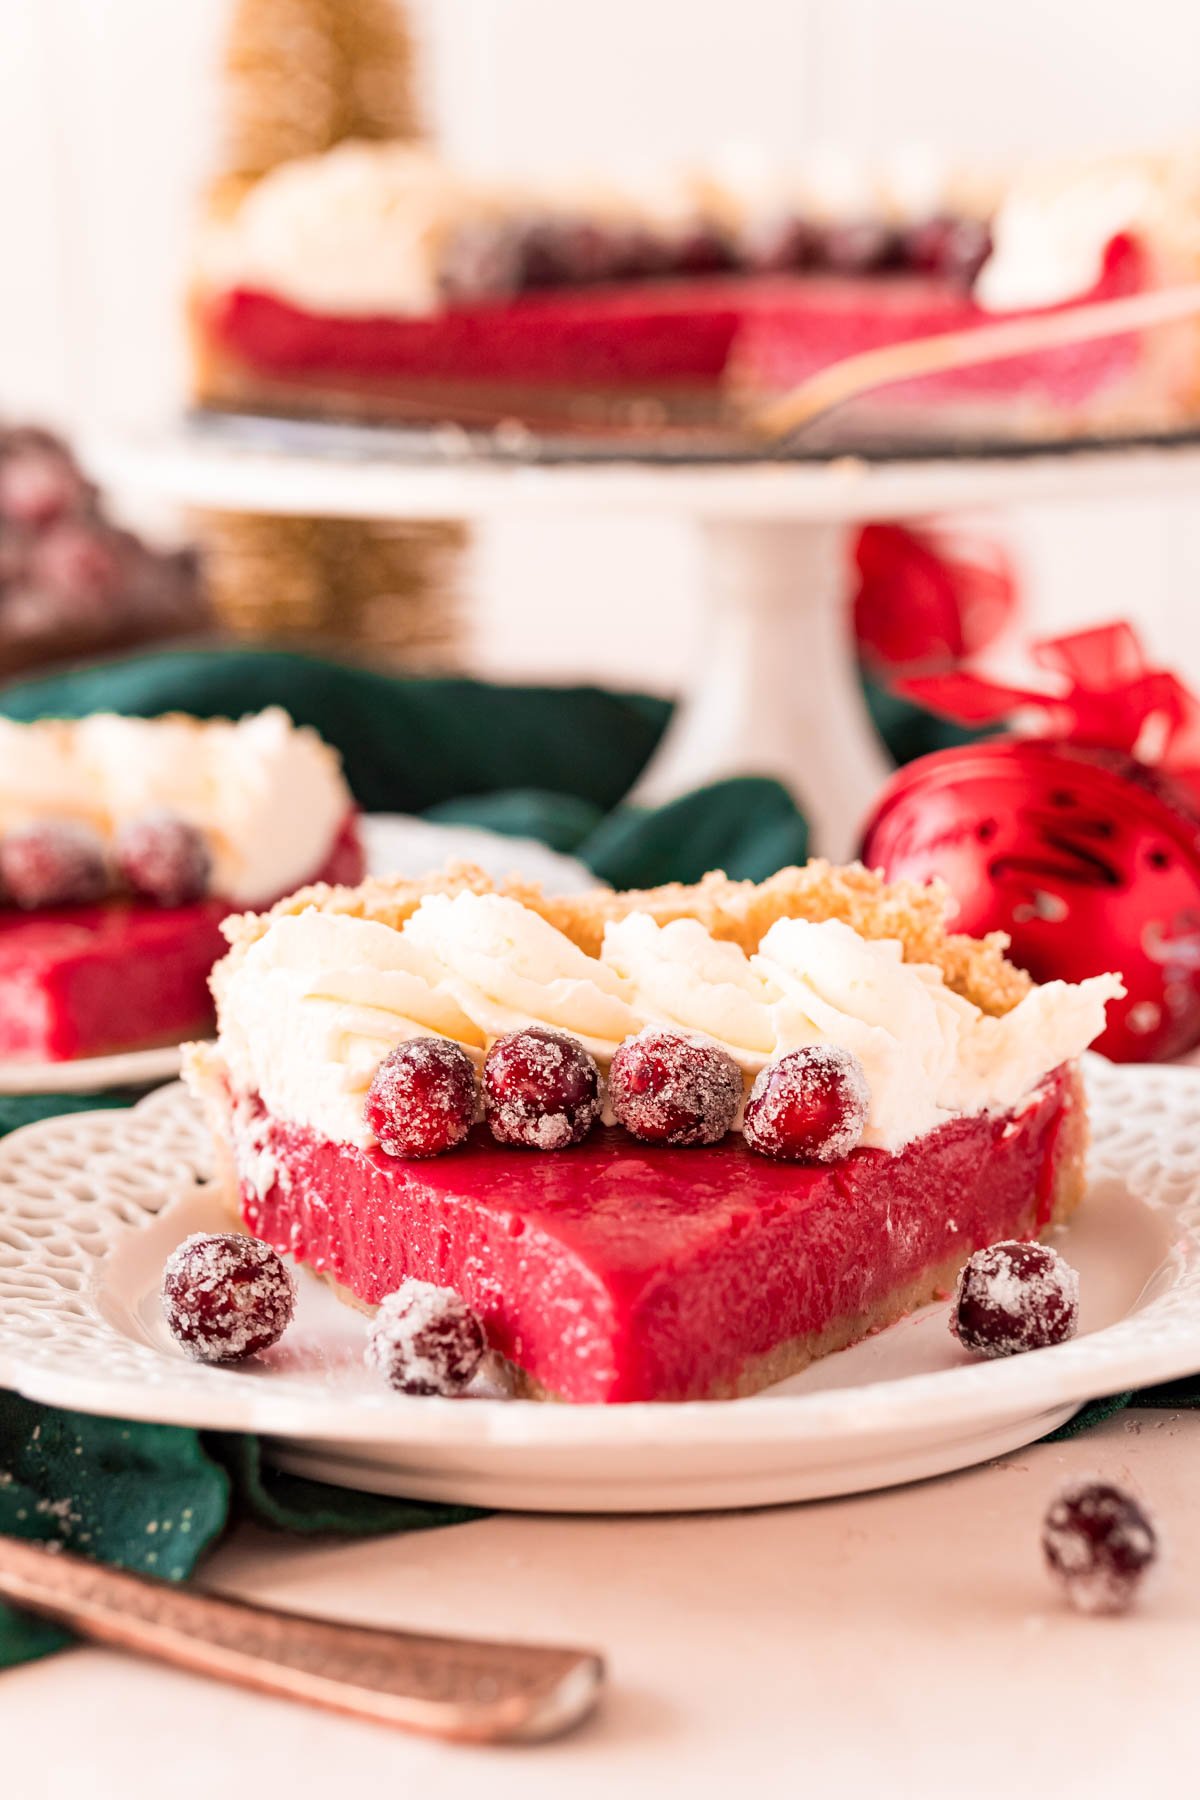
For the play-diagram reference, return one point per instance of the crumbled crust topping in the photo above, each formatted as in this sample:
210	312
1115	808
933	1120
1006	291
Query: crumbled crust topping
741	912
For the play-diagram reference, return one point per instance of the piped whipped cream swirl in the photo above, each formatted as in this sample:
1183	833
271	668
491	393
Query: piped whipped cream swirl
311	1008
268	796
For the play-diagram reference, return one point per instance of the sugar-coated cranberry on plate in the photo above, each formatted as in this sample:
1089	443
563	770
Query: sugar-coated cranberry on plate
423	1099
667	1087
541	1089
226	1296
1099	1542
1013	1297
425	1340
52	863
809	1106
164	858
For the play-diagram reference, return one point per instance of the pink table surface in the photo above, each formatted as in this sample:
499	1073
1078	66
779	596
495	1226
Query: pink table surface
902	1643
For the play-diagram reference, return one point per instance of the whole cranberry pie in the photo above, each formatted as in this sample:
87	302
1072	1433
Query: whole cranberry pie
666	1145
373	281
123	845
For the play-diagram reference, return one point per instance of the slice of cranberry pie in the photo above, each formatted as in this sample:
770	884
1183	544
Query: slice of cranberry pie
667	1145
123	845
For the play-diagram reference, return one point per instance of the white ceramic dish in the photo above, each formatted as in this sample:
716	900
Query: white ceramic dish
91	1205
395	845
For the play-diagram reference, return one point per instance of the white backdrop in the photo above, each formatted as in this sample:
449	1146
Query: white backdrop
106	119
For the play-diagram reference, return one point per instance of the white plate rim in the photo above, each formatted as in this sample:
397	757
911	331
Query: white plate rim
91	1074
54	1333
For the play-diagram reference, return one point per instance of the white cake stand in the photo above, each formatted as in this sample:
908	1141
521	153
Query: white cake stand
775	687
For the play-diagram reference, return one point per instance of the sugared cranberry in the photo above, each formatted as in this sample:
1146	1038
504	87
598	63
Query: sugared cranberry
425	1340
954	248
668	1088
1013	1297
810	1106
226	1297
163	858
705	250
38	483
79	562
423	1098
54	863
1099	1542
541	1089
857	247
564	252
779	244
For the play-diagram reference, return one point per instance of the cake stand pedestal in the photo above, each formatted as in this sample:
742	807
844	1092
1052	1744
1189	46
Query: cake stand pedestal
775	688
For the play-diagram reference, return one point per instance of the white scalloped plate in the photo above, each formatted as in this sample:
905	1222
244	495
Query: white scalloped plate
91	1205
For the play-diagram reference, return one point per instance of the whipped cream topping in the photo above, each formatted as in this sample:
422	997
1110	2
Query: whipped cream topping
358	229
311	1008
507	967
1051	232
928	1053
268	796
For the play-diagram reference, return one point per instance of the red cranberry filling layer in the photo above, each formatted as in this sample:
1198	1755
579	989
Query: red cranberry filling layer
425	1340
226	1297
810	1106
668	1088
541	1089
627	1271
165	859
423	1099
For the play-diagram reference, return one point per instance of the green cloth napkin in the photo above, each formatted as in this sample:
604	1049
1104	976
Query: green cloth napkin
551	763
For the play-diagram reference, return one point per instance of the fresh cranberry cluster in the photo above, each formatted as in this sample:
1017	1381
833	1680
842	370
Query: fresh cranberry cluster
540	1089
56	862
71	581
227	1297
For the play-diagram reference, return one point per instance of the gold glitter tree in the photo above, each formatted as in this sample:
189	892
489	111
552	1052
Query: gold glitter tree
300	76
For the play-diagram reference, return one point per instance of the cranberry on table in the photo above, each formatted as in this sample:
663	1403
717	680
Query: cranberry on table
52	863
810	1106
1014	1297
226	1297
425	1340
541	1089
163	858
667	1087
423	1099
1099	1542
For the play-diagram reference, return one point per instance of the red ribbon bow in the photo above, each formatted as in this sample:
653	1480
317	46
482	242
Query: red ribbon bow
1106	695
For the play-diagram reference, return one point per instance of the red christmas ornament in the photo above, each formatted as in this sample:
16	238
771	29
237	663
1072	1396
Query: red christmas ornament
927	599
1083	845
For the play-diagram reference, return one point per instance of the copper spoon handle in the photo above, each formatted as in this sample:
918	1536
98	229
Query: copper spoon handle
460	1688
855	375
